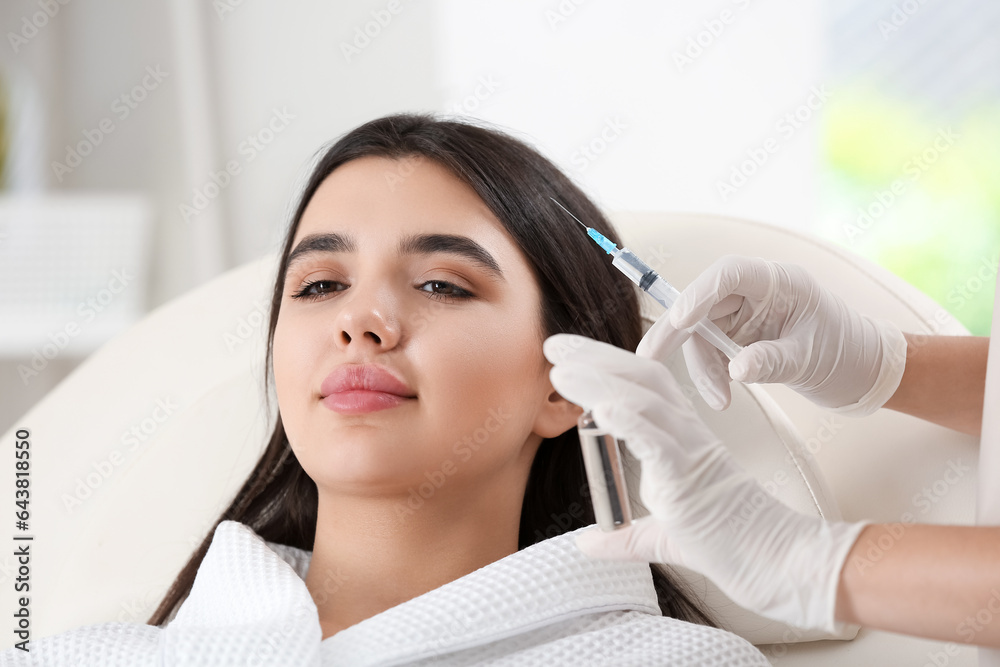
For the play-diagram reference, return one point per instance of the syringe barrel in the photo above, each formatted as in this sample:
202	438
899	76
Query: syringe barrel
708	330
633	267
666	294
663	292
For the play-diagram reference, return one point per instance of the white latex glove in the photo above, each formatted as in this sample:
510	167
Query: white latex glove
794	331
706	512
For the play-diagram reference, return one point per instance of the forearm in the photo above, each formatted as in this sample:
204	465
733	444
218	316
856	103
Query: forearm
944	380
939	582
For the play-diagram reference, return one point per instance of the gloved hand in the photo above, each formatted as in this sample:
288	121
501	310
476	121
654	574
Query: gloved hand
794	331
706	512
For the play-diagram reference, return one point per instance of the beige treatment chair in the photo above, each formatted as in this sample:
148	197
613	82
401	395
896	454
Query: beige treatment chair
137	452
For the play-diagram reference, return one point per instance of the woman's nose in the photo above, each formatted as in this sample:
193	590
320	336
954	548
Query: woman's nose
367	317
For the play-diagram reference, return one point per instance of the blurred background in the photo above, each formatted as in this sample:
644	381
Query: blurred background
147	147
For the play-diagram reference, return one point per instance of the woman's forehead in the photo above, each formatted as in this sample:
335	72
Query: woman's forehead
364	199
379	182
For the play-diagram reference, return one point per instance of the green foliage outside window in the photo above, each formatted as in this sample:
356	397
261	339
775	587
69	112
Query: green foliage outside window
918	195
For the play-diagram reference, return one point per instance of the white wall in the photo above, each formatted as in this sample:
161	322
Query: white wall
569	72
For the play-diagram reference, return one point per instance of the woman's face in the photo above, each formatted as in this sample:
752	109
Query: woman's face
482	398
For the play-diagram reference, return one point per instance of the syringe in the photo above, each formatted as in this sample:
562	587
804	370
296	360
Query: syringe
652	284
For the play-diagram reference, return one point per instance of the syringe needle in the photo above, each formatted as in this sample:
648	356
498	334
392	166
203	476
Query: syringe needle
599	238
570	214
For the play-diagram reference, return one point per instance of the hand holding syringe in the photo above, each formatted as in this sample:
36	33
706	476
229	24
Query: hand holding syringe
652	284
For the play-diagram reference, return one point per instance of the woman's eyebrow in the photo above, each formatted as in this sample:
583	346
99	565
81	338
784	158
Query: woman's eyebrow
416	244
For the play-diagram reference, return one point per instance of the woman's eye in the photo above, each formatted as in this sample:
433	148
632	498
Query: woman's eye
322	287
451	291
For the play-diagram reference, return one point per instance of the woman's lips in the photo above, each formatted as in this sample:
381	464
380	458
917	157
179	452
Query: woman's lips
361	401
358	388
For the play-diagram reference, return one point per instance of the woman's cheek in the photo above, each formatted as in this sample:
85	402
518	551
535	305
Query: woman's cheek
461	360
290	382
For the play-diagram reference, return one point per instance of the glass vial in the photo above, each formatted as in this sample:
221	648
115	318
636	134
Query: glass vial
605	474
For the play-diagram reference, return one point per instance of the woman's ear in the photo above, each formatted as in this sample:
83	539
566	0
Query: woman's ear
556	416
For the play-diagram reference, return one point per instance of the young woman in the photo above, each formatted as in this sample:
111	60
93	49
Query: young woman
423	478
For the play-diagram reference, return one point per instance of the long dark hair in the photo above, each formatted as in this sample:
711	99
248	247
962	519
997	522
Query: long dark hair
581	293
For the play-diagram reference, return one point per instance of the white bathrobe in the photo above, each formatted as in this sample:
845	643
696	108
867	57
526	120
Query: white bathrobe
548	604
